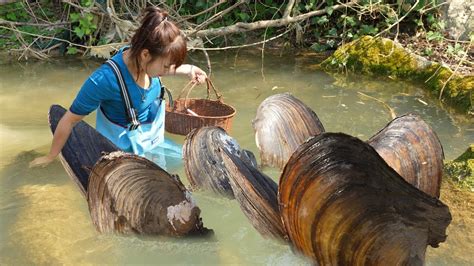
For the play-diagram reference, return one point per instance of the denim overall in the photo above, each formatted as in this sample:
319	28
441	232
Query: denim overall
144	139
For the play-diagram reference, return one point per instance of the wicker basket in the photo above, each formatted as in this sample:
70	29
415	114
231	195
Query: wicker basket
188	114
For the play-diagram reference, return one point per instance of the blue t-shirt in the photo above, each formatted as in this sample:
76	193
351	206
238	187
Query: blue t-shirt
102	89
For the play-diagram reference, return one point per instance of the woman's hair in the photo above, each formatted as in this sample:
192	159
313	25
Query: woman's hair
160	36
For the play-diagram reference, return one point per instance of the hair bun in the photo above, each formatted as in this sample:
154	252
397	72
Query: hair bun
154	11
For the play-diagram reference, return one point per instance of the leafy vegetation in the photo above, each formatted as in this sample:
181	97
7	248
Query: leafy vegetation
326	31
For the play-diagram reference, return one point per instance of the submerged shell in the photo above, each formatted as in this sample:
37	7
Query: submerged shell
412	148
281	125
341	204
202	153
130	194
256	194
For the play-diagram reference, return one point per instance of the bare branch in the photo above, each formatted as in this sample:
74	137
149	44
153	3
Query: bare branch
6	22
5	2
240	46
288	9
202	12
59	39
399	20
216	16
452	75
243	27
94	10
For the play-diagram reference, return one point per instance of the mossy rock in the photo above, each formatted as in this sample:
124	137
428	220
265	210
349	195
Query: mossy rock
381	56
461	170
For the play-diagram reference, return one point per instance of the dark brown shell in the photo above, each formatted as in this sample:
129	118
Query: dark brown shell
341	204
202	153
256	194
130	194
82	150
412	148
282	123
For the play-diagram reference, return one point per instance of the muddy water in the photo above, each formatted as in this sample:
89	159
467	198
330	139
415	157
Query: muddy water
44	219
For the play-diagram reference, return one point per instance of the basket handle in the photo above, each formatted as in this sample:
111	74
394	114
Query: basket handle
209	85
216	91
190	85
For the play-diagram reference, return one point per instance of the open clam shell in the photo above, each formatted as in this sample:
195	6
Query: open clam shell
341	204
202	153
256	194
281	125
130	194
411	147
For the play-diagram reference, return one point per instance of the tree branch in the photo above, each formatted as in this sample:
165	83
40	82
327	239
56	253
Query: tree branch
215	17
399	20
7	22
202	12
240	46
243	27
288	9
5	2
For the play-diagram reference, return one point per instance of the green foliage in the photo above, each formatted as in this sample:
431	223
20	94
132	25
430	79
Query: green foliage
17	12
434	36
86	24
428	51
456	50
249	12
14	12
372	17
324	32
71	50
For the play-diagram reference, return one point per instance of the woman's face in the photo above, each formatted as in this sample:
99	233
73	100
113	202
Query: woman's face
159	66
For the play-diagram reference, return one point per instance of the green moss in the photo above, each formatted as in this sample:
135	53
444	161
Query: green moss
461	170
372	56
380	56
467	155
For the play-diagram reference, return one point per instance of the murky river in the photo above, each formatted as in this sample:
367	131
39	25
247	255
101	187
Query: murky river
44	219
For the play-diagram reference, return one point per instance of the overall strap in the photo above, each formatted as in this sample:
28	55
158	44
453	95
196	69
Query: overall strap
162	93
129	110
170	97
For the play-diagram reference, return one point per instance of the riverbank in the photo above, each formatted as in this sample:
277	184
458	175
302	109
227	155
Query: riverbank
384	57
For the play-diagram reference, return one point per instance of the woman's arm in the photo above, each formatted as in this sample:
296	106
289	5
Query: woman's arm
195	73
61	135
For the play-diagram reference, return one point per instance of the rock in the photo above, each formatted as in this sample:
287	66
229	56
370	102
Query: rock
461	170
459	17
381	56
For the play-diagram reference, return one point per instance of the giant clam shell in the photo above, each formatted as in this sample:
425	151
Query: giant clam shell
341	204
412	148
256	194
130	194
82	150
202	153
281	125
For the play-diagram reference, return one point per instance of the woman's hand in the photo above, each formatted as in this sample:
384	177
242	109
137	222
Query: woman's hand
194	73
42	161
197	75
63	130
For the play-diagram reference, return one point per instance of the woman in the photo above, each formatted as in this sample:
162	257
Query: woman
127	91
